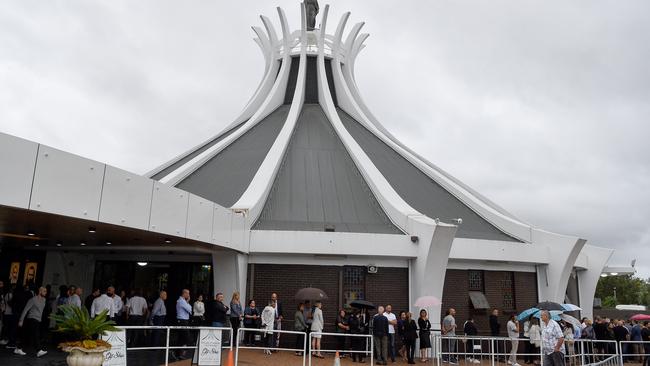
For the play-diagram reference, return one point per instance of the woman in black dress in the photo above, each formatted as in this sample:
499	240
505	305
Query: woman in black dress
425	335
356	343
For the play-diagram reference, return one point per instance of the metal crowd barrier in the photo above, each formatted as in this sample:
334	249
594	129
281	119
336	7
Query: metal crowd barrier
633	351
349	350
241	331
497	351
167	347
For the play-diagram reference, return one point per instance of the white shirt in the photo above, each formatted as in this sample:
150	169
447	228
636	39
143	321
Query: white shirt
74	300
119	304
198	308
391	317
102	303
136	305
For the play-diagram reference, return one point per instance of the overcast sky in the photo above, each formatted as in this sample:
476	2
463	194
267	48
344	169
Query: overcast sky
543	106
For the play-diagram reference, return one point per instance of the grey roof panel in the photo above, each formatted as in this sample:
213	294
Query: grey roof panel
161	174
417	189
225	177
318	184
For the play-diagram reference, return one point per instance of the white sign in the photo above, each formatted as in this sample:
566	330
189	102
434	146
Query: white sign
116	356
209	347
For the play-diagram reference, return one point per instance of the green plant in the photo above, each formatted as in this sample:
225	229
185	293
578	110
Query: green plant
77	323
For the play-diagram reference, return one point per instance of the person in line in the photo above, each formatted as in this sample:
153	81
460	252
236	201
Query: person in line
535	334
470	331
645	337
621	334
317	326
158	315
30	322
635	336
513	333
400	326
425	335
88	303
198	311
136	312
236	315
278	319
219	311
392	322
552	341
495	331
75	297
380	335
300	325
569	341
101	303
183	314
356	343
449	332
119	304
341	328
528	347
268	319
410	331
9	319
251	316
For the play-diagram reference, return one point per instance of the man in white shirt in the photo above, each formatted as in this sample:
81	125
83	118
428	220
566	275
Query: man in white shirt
75	297
552	341
136	311
392	322
117	301
101	303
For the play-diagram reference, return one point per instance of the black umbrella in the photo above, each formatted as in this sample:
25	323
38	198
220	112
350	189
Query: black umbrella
362	304
311	293
549	305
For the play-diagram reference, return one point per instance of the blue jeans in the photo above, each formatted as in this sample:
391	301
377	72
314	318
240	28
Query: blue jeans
218	324
391	346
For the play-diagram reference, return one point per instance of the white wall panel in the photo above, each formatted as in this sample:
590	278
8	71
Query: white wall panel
168	210
199	218
17	161
222	221
126	199
67	184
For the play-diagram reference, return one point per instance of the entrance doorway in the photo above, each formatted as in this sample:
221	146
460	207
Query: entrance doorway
150	278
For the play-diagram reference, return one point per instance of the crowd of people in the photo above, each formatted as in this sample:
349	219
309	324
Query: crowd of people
25	326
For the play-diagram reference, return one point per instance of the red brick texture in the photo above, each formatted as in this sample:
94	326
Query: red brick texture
456	290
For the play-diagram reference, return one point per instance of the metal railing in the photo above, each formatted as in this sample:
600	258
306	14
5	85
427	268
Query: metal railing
241	332
168	332
368	350
633	351
498	350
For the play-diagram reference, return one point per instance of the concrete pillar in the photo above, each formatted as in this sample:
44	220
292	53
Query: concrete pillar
229	270
597	258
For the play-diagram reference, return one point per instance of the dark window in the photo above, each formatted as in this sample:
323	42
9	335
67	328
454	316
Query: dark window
354	284
508	291
475	280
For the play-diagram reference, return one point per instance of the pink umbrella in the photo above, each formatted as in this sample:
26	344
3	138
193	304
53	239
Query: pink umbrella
640	317
426	301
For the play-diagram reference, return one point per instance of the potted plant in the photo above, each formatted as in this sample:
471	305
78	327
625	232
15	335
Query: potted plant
82	331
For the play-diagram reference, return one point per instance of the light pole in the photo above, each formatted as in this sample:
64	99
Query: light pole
614	293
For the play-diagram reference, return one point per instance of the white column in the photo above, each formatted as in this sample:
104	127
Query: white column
230	271
597	258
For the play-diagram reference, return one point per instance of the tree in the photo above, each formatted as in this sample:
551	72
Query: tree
627	289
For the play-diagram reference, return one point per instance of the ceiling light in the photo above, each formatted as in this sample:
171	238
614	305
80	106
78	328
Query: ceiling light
168	241
108	243
92	230
83	244
142	264
603	275
59	244
30	233
37	245
614	273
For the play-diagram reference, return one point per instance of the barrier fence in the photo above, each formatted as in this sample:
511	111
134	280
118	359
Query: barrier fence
367	340
271	347
136	336
499	350
634	351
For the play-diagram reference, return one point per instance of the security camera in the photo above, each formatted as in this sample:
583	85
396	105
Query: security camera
458	221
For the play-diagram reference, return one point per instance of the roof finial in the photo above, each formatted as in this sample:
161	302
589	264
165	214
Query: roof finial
311	6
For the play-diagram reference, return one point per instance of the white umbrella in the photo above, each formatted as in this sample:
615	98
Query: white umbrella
571	307
569	319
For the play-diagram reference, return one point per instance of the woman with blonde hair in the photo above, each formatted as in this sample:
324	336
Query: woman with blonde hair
236	315
317	328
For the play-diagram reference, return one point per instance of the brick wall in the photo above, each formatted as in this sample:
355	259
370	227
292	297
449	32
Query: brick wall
455	294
